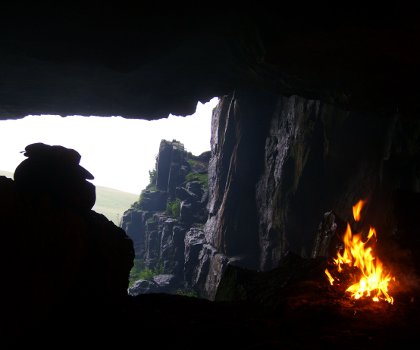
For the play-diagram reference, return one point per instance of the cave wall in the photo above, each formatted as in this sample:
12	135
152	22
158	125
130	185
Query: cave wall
279	163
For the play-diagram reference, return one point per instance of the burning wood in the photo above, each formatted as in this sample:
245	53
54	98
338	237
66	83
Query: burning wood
359	267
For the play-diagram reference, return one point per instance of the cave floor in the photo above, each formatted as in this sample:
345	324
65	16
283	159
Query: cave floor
310	318
303	312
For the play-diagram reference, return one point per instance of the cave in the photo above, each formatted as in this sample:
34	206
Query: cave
318	109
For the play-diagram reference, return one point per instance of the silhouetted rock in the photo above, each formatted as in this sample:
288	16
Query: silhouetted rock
58	257
54	171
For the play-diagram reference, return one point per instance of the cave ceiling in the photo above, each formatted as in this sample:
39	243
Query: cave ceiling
110	60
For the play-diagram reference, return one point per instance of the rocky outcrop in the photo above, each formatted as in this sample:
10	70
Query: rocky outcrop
163	283
302	158
277	165
169	211
58	258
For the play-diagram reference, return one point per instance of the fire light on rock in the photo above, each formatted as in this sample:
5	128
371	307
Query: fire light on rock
357	259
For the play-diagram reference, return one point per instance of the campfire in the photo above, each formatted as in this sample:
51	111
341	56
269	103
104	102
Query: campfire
356	268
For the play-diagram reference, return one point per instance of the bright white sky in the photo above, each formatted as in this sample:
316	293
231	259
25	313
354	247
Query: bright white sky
118	152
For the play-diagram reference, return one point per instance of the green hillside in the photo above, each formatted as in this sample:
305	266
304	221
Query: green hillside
110	202
113	203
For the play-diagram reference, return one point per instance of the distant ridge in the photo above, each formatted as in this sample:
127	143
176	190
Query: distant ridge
113	203
110	202
6	173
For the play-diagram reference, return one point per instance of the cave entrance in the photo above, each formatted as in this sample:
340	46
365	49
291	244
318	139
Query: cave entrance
119	152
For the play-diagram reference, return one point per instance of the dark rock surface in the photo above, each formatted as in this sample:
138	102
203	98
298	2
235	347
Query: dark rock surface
301	158
165	283
173	206
81	298
57	255
271	179
290	307
139	61
328	237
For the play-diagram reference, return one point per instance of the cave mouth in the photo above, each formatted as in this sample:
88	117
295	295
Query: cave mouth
72	249
292	297
120	152
366	66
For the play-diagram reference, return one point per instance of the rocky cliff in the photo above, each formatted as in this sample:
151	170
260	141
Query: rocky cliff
166	223
279	163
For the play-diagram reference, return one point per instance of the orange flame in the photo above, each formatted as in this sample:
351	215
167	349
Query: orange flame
374	282
357	209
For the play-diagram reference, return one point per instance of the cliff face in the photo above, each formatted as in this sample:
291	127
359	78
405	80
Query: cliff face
277	165
270	182
168	218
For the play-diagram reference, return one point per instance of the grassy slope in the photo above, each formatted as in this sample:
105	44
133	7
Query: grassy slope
110	202
113	203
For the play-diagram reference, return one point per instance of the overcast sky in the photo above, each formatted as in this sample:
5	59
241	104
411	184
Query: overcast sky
118	152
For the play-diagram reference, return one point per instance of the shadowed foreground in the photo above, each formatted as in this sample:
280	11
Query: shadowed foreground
298	312
65	275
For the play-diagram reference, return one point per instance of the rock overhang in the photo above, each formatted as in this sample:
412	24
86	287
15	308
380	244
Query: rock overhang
137	63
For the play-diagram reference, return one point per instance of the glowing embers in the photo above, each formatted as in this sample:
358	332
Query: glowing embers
357	266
